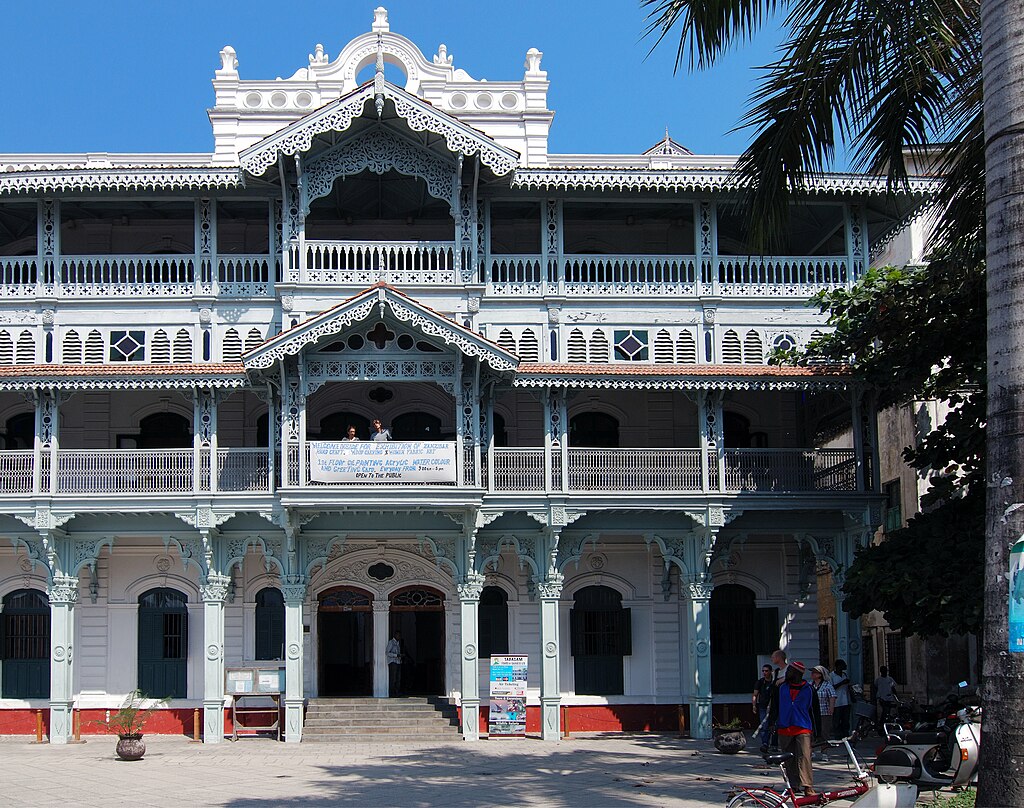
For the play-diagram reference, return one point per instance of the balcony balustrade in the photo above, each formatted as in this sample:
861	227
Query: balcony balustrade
504	469
426	263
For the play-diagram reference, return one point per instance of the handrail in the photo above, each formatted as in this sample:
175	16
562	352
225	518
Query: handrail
366	262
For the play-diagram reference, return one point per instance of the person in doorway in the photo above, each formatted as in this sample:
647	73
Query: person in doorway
884	692
841	714
393	654
822	684
378	432
760	700
797	717
350	435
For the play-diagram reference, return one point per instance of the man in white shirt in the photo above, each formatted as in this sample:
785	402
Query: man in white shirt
885	694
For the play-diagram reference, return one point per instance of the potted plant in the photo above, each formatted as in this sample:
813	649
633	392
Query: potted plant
728	737
128	722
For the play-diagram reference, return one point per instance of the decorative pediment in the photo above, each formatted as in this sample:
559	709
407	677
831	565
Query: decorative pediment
338	116
382	299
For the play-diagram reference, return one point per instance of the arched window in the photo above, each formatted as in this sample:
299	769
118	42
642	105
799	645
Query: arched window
269	624
335	426
493	622
416	426
739	632
594	429
163	643
25	648
601	635
165	430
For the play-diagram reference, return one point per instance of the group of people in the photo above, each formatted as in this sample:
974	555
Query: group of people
377	432
793	712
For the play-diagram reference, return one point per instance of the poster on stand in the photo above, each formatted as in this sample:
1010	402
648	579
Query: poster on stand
1016	621
507	714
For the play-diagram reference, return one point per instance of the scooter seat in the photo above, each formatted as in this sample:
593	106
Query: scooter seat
925	738
778	759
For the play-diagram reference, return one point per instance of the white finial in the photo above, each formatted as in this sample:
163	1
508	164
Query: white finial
228	62
318	57
442	57
380	20
532	63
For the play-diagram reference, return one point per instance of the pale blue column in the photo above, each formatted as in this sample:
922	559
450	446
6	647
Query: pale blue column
469	602
63	594
294	591
214	593
698	602
550	687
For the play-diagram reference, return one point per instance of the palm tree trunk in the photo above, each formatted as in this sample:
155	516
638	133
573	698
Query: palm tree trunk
1001	779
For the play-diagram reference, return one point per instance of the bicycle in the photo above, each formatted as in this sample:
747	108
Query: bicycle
770	798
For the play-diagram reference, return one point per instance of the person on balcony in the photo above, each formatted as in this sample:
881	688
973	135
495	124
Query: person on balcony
378	432
350	435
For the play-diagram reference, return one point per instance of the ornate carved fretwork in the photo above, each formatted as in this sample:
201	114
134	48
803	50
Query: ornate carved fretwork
379	151
48	178
205	402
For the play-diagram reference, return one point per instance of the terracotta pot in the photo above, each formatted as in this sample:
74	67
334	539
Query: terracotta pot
729	741
130	747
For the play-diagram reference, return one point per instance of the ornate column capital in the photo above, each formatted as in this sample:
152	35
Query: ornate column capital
294	590
470	589
550	588
63	590
215	589
699	590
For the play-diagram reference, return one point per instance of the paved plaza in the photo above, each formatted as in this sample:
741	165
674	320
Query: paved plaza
591	771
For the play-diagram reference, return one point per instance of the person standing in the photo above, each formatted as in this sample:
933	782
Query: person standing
378	432
822	685
884	693
393	654
760	700
797	717
841	715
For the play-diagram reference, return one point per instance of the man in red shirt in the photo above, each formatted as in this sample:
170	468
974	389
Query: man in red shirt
797	718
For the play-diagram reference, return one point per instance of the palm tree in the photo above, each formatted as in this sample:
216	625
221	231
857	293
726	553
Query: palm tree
891	79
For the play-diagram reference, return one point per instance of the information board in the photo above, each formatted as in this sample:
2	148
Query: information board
1016	616
507	714
253	681
373	462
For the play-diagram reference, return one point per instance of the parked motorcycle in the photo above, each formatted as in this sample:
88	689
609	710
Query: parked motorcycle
931	759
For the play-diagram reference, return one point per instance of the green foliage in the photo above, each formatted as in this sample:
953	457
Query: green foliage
927	577
919	333
133	714
963	799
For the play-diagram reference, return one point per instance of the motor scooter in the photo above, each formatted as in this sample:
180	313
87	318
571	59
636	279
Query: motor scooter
933	759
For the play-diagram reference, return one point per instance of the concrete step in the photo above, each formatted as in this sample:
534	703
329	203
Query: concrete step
350	720
362	721
453	737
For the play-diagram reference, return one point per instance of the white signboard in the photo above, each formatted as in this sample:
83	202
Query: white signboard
372	462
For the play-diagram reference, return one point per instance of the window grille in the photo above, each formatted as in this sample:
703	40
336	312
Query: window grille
94	348
231	349
507	341
6	349
753	349
160	352
127	346
663	348
577	349
417	599
345	600
732	353
896	656
71	349
598	347
529	348
493	622
253	339
686	348
784	342
26	349
893	506
182	350
269	624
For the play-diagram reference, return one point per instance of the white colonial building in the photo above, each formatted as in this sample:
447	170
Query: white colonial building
593	463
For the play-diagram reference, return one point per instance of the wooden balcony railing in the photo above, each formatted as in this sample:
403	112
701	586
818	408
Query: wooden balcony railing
364	263
504	469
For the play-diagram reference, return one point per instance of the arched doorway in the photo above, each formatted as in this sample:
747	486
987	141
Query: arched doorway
269	624
345	642
26	645
601	635
163	643
418	613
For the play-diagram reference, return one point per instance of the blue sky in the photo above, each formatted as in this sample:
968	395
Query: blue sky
122	75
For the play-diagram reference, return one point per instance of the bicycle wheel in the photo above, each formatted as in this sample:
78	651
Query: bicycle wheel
757	798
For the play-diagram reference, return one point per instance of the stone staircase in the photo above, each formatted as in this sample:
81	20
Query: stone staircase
380	720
